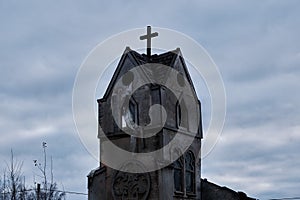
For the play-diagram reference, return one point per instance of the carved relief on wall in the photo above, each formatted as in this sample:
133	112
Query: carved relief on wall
131	186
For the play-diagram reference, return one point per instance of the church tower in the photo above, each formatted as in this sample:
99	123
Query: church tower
180	179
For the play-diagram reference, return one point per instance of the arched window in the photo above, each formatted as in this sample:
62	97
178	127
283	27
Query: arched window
185	174
189	172
130	114
182	115
178	175
132	111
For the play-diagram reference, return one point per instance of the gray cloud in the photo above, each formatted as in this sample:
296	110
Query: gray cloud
255	44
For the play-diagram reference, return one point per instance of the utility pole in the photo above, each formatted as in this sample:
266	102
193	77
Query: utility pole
38	191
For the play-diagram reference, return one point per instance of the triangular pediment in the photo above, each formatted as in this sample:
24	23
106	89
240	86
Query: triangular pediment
126	63
131	59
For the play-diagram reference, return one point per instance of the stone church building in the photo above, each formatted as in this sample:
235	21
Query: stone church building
182	178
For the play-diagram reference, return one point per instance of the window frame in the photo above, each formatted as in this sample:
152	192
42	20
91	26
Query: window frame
180	115
191	171
128	115
185	169
180	162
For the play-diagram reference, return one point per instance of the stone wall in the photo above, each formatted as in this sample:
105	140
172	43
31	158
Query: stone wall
211	191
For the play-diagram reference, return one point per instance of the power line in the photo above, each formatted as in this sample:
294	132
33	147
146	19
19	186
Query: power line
67	192
286	198
72	192
82	193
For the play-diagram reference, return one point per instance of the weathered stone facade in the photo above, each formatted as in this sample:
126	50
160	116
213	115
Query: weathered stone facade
211	191
179	180
106	183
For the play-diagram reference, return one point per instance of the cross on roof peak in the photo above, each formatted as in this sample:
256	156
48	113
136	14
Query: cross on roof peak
148	37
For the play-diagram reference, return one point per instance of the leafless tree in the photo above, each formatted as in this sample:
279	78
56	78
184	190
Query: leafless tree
13	183
49	187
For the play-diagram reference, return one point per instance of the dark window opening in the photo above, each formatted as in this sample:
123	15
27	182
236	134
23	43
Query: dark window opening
185	174
178	175
190	172
130	115
182	115
132	112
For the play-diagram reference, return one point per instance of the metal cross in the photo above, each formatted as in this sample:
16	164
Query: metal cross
148	37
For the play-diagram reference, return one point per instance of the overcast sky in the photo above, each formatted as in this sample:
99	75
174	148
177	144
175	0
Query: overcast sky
255	44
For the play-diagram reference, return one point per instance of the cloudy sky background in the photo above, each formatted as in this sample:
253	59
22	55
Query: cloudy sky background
254	43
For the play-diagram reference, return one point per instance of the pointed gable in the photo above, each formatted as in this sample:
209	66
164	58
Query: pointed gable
131	59
127	62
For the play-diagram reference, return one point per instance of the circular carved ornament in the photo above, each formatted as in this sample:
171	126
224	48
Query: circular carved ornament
131	186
